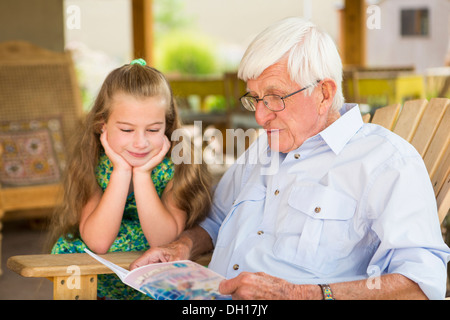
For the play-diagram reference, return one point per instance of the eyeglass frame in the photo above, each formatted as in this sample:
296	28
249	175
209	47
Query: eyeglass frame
281	98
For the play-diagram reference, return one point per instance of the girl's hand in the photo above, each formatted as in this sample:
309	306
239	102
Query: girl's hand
117	160
156	158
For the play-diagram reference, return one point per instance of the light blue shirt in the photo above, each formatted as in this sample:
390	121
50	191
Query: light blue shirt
353	202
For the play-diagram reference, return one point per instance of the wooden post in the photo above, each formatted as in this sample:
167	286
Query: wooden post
142	12
85	288
353	33
1	236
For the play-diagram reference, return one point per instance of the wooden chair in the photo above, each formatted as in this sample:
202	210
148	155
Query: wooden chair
202	87
424	124
38	91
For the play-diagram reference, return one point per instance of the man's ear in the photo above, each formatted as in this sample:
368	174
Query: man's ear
329	88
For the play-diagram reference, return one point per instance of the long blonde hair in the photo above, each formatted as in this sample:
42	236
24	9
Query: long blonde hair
191	182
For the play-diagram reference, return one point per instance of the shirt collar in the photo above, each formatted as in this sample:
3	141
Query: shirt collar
335	135
343	129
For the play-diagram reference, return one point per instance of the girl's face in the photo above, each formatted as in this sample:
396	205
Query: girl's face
136	127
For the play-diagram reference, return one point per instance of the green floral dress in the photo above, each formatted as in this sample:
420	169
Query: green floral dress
130	236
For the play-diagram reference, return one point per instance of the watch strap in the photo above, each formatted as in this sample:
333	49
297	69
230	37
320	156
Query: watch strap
326	291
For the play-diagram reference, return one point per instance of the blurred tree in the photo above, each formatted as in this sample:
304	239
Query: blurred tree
179	47
186	53
169	15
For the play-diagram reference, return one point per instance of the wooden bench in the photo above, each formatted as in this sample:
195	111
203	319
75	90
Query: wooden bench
425	124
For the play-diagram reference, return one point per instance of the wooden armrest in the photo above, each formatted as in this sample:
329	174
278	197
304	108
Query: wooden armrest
57	265
54	265
74	275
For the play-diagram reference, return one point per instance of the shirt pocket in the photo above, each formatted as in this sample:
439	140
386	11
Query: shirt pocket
244	211
315	233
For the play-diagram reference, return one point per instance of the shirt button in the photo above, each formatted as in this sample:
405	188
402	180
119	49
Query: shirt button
277	192
236	267
260	232
317	209
297	156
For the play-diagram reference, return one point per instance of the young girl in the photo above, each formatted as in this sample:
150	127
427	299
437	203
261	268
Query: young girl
122	191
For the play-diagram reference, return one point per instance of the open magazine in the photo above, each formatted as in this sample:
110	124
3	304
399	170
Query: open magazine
177	280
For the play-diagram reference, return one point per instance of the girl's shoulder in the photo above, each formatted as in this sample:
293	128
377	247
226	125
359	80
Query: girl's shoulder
103	159
165	168
104	165
166	164
103	170
162	174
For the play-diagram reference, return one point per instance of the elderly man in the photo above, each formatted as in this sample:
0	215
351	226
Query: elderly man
349	212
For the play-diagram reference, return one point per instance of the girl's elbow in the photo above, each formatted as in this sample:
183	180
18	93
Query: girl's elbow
98	247
101	250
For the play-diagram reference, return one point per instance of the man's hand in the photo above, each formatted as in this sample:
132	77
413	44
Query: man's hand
261	286
171	252
191	244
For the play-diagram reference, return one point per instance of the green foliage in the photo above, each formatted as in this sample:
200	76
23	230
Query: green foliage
216	103
181	49
178	48
169	15
186	54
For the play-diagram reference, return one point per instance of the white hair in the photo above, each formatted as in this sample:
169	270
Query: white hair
312	55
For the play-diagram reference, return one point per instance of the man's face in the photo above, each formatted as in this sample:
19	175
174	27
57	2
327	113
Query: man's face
300	120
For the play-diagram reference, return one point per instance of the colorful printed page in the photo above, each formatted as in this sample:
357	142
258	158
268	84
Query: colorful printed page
178	280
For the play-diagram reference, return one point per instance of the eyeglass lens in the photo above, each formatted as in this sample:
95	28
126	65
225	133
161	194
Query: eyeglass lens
273	102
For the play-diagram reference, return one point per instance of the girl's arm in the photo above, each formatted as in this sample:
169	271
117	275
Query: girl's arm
160	219
101	216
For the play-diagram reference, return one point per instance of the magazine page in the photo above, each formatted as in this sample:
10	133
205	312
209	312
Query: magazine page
121	272
178	280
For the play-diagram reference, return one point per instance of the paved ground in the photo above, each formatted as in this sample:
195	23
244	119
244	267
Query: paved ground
20	238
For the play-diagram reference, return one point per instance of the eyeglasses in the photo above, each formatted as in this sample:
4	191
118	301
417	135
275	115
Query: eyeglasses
272	102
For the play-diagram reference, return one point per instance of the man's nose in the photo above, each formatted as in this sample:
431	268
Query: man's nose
262	114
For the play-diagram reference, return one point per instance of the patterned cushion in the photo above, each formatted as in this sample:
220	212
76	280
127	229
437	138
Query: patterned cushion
32	152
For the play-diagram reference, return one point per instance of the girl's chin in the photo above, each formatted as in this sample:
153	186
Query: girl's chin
137	163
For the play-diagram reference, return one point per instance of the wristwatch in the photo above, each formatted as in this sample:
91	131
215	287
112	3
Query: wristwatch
326	291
